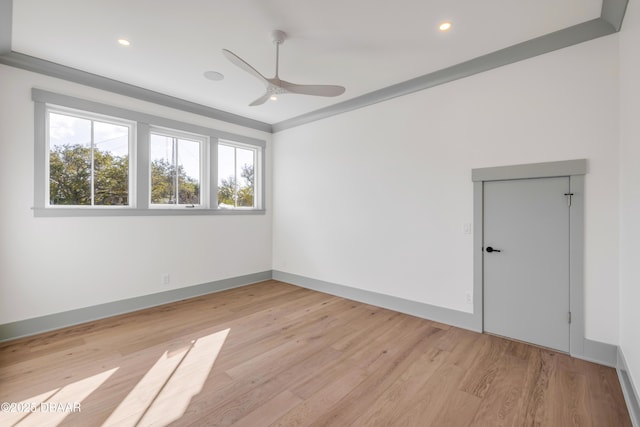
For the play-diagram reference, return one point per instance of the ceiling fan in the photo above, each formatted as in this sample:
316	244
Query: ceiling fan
277	86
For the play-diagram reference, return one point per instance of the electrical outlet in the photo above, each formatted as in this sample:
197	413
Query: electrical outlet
166	279
468	297
466	228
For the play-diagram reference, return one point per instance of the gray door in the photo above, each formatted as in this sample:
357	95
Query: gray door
526	260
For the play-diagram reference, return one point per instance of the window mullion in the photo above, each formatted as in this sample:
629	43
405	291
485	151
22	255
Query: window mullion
255	173
235	177
212	171
41	174
93	182
175	169
143	166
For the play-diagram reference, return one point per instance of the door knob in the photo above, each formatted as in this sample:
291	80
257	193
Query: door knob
490	249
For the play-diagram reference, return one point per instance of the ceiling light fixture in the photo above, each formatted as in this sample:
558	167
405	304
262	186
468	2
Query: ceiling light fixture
445	26
124	42
213	75
273	98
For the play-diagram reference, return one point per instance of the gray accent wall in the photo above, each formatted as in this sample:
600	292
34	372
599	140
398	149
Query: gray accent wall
609	22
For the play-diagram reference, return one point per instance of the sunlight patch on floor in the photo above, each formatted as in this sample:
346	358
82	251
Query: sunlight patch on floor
164	393
50	408
143	394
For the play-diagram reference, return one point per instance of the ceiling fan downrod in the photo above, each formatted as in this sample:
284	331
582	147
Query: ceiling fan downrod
278	37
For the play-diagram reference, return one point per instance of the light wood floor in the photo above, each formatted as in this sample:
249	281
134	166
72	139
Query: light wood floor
277	354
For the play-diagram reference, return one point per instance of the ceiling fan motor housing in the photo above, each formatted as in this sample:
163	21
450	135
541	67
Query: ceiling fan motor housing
278	36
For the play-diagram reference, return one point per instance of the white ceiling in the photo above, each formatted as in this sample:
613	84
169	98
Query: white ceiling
363	45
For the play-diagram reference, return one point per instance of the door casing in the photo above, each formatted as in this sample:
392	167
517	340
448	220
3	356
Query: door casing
575	170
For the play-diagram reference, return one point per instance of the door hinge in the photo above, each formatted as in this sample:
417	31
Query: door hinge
569	317
569	196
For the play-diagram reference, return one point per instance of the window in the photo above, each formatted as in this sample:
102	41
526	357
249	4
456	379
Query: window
88	160
175	169
94	159
236	176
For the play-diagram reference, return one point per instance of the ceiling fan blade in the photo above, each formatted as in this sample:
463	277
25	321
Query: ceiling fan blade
277	86
264	98
317	90
243	64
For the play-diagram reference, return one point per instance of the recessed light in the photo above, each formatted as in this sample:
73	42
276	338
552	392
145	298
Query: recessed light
213	75
445	26
273	98
124	42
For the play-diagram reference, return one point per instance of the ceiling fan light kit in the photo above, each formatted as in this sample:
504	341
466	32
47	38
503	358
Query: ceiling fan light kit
275	86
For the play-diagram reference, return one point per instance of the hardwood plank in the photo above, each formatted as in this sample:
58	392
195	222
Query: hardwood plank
536	402
485	367
435	396
605	398
382	369
502	401
568	391
226	405
270	411
403	394
315	405
458	410
462	346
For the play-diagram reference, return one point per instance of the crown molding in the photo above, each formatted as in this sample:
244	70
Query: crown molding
609	22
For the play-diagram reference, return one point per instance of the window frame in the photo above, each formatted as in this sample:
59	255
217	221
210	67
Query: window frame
257	172
205	178
85	115
140	166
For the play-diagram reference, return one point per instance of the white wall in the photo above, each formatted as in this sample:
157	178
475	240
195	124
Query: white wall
630	191
376	198
49	265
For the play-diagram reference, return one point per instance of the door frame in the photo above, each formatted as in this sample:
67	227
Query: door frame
575	171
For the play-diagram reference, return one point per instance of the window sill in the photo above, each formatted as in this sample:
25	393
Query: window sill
111	211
